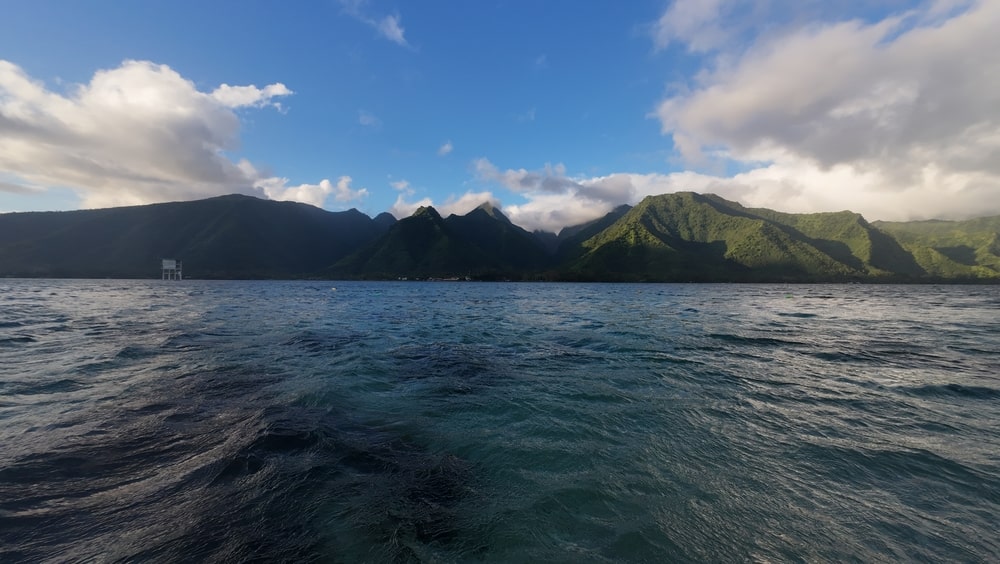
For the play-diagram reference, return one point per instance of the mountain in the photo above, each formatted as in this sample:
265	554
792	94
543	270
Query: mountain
384	221
951	249
494	235
671	237
421	245
225	237
547	239
570	238
845	236
689	236
587	230
482	243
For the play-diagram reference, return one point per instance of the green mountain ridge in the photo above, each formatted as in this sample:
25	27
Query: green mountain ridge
951	249
689	236
686	236
482	243
671	237
421	245
569	243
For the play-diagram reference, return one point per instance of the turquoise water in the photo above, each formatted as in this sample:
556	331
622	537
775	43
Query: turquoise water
476	422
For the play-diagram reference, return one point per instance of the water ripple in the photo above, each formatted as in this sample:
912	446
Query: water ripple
437	422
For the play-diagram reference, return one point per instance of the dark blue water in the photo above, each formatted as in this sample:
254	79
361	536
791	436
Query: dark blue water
474	422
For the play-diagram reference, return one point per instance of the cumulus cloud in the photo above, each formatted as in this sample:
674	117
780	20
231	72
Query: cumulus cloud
389	27
553	199
467	202
135	134
795	186
446	148
897	118
402	208
552	212
315	194
552	178
242	96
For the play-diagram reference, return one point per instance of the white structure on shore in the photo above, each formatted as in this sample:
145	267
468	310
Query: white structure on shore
171	270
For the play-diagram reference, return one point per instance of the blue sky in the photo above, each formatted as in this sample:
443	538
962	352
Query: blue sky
555	110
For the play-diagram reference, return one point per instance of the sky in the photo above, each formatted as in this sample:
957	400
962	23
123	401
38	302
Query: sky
557	110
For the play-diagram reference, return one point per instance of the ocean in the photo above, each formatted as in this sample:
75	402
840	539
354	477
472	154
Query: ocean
232	421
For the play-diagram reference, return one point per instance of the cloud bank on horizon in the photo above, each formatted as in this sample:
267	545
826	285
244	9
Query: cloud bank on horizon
787	107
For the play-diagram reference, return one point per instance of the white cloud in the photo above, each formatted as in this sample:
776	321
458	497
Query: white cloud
897	118
368	119
389	27
135	134
458	205
552	212
342	192
465	203
555	200
402	186
446	148
241	96
552	178
402	208
691	22
315	194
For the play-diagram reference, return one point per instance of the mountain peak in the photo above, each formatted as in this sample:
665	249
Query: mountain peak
427	211
492	211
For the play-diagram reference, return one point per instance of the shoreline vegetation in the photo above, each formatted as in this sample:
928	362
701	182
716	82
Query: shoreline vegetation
681	237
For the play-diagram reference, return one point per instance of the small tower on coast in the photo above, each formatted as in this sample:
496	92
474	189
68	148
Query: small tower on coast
171	270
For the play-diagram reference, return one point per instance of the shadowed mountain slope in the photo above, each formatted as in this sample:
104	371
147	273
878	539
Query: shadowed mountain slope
226	237
571	238
420	245
951	249
490	230
482	243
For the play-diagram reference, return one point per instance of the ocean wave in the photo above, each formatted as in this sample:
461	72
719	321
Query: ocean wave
952	390
498	422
